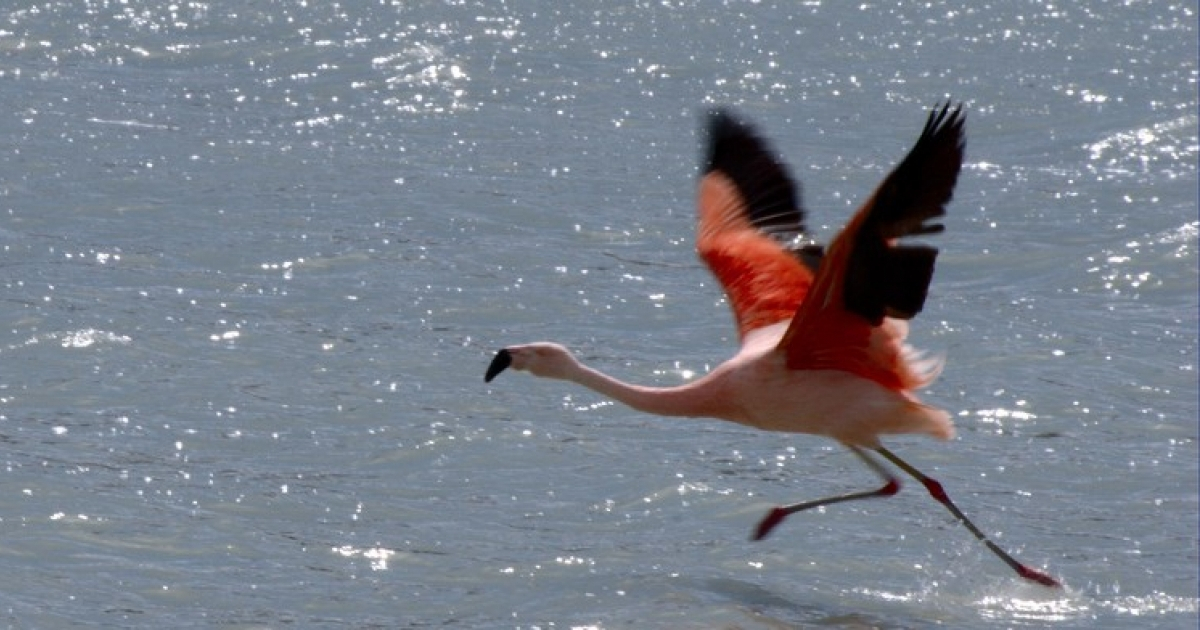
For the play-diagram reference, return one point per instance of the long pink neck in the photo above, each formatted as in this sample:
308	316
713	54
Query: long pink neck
691	399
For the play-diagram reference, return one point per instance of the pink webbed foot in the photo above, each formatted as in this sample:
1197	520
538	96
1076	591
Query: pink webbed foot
773	518
1034	575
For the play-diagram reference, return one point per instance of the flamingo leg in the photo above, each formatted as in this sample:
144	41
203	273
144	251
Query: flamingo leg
776	515
939	494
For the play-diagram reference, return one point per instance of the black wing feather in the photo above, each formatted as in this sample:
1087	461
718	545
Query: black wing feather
772	196
887	279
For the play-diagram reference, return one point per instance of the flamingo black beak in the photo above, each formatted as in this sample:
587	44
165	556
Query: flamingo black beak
499	364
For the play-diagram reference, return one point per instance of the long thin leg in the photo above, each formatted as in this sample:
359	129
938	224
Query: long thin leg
938	493
776	515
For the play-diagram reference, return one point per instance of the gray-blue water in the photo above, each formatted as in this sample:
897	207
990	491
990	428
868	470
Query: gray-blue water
257	254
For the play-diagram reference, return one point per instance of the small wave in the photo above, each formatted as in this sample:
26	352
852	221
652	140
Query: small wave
88	337
82	338
136	124
1076	606
1153	604
378	557
1169	143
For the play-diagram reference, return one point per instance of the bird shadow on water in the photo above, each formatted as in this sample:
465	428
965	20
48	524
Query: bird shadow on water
773	610
1019	604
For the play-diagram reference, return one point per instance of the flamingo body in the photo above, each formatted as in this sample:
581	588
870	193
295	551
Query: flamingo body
822	332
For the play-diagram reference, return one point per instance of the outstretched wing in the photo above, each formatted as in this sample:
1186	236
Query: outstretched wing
751	230
867	275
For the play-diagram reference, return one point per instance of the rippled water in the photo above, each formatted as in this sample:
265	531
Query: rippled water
256	256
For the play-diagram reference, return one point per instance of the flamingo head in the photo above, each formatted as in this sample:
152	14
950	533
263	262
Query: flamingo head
547	360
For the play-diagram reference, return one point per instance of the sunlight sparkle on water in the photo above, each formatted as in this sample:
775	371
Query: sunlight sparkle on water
377	556
999	414
997	607
90	337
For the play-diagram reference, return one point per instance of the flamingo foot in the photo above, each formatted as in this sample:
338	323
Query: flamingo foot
773	518
1034	575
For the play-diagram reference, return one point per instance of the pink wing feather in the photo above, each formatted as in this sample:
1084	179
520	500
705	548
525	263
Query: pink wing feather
868	283
749	213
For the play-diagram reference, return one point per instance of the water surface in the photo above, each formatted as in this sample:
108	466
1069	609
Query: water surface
256	257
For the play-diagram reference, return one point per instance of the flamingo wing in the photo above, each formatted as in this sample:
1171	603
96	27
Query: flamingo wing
751	231
868	280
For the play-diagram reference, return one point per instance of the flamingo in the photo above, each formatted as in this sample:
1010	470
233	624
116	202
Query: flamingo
822	332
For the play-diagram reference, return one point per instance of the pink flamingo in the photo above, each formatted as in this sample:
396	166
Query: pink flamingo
822	332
